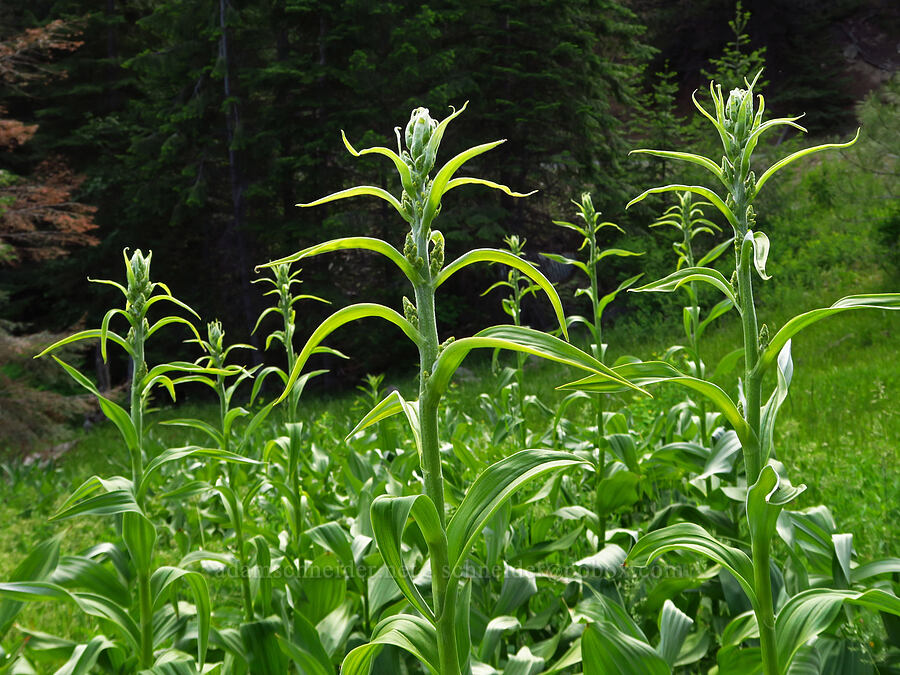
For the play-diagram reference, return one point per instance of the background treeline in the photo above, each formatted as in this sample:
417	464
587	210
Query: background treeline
196	126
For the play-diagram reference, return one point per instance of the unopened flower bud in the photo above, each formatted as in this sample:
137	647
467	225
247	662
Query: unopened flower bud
410	312
216	334
139	287
418	131
437	253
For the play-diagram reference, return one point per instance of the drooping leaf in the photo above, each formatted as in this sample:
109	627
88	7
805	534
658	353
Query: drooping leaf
390	516
492	255
809	613
411	633
691	537
684	276
353	243
491	489
605	650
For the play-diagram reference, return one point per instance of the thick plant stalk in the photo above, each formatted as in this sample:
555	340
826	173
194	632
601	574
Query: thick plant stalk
444	589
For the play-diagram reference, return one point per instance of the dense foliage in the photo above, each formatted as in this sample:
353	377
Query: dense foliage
435	547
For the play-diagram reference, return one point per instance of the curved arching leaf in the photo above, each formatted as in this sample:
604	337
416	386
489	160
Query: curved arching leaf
491	489
442	178
390	517
699	160
691	537
163	578
335	321
801	321
714	199
768	173
390	405
605	649
644	373
809	613
411	633
492	255
520	339
678	279
358	191
402	168
352	243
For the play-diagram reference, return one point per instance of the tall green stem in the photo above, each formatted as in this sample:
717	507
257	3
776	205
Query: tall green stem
765	615
442	586
145	604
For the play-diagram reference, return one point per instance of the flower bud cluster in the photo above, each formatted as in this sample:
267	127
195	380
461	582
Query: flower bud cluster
437	253
410	312
139	287
216	338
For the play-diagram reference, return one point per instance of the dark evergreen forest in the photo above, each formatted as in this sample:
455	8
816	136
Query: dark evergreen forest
193	128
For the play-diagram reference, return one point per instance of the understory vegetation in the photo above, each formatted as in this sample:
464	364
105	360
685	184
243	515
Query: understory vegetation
600	496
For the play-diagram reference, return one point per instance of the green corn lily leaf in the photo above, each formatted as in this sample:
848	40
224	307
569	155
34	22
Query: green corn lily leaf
566	261
797	155
572	226
765	500
402	169
200	425
174	454
410	633
645	373
491	489
491	255
760	252
673	629
390	517
769	413
117	498
720	308
113	411
351	243
801	321
605	649
437	135
259	646
691	537
84	657
521	339
37	566
81	573
809	613
713	198
307	662
104	327
678	279
493	632
89	603
140	539
618	252
335	321
162	580
466	180
442	179
699	160
359	191
609	297
390	405
92	334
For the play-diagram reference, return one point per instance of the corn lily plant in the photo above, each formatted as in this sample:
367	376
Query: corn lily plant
437	633
588	229
689	219
519	286
738	121
141	622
